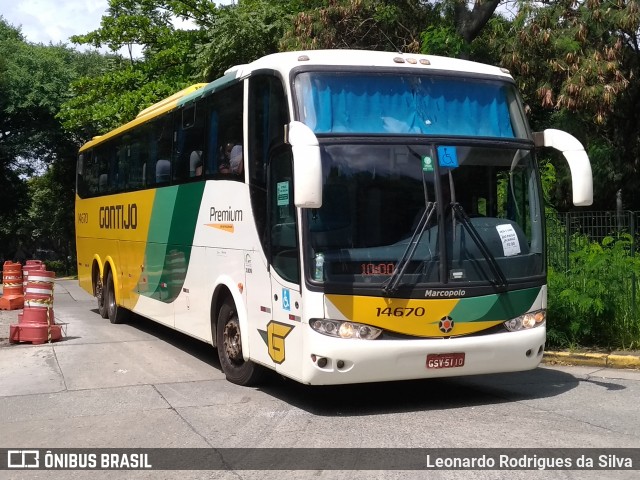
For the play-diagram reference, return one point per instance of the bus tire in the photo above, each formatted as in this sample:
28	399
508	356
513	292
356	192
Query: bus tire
115	313
101	295
229	346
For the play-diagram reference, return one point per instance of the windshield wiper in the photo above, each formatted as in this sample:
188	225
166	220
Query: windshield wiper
475	236
391	285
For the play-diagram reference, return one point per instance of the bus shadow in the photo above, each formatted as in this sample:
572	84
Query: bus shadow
420	395
189	345
386	397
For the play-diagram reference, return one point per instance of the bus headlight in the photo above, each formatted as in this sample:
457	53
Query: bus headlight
340	329
527	321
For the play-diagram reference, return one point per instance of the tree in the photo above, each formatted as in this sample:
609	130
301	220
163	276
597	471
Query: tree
128	85
360	24
47	222
577	64
470	22
103	102
172	58
464	32
244	32
234	34
34	82
441	27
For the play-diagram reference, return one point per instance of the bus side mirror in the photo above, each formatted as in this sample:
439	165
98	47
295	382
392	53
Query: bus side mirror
307	166
573	151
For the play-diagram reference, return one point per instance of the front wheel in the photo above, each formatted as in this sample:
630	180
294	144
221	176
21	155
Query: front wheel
115	313
229	345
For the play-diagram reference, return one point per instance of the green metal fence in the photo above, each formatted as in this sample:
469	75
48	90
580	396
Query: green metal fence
569	232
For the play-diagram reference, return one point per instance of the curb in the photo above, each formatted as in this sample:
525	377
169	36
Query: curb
605	360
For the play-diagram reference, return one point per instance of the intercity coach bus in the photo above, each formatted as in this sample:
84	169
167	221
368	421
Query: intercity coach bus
335	216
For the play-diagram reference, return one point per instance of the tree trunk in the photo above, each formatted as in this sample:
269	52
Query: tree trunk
469	23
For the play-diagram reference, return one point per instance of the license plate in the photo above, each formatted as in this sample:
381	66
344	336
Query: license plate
445	360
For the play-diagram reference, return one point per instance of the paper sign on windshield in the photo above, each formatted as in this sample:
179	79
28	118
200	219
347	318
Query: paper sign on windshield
509	238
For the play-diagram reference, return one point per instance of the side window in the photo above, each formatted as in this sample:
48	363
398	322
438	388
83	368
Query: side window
85	173
91	170
268	114
225	136
159	142
136	160
188	147
105	162
284	239
114	153
121	166
268	110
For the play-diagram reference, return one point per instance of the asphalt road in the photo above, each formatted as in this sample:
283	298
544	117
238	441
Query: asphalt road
141	385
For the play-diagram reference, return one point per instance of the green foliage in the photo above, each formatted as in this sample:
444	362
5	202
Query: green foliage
104	102
128	22
591	304
548	179
34	83
443	40
360	24
242	33
118	92
577	65
61	268
13	199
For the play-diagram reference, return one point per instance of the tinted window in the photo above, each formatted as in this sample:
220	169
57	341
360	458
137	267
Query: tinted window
225	132
268	117
189	144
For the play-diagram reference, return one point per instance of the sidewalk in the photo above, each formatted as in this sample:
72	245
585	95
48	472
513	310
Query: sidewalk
10	317
608	360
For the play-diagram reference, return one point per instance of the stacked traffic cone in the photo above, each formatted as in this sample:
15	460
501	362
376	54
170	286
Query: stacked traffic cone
12	289
37	324
30	266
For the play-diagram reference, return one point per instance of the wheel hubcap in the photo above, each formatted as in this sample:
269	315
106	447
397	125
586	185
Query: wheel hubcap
231	341
99	293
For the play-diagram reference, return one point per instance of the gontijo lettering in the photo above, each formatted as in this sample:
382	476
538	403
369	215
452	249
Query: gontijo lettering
124	217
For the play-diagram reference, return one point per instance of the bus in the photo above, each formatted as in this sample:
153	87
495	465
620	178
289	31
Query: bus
335	216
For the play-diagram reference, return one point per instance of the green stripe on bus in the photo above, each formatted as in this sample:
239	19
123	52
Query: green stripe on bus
185	214
169	242
494	307
214	86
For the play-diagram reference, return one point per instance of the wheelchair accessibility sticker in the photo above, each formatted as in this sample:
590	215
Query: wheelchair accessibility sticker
286	299
447	157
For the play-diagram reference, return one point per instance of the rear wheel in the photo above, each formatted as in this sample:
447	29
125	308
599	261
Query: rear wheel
115	313
102	301
229	344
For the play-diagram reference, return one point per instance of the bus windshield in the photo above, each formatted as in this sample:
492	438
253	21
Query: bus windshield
399	214
426	104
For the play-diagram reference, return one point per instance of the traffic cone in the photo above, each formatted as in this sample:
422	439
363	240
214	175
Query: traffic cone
12	290
37	323
30	266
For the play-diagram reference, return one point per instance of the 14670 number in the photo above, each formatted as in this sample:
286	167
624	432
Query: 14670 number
400	312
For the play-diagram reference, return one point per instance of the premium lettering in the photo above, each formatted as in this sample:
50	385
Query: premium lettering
227	215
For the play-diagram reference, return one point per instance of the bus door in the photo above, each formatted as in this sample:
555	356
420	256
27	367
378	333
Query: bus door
284	332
